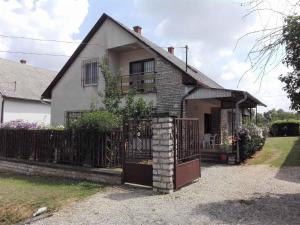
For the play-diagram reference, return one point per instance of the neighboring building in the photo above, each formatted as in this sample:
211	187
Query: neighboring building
158	75
21	86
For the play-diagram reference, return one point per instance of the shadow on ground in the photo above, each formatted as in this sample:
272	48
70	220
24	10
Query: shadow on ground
290	169
266	209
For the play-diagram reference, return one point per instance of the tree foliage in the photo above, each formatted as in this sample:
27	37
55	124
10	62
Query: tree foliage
277	41
133	108
112	91
102	121
291	80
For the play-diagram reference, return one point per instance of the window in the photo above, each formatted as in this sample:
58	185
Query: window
141	67
90	72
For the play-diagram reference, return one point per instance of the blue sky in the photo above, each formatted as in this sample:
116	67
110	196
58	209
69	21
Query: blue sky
210	29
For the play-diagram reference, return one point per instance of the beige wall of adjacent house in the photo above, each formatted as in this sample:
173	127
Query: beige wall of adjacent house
197	109
69	94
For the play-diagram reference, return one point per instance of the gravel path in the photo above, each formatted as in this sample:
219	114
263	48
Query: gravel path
224	195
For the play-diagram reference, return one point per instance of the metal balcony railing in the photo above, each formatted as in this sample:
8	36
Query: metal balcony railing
141	83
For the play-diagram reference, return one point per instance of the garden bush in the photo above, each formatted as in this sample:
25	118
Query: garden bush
252	138
285	128
20	124
97	120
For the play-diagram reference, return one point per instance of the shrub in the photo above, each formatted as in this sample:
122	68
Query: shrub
285	128
252	138
20	124
97	120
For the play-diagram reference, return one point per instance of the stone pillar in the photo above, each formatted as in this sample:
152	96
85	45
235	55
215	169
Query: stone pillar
163	153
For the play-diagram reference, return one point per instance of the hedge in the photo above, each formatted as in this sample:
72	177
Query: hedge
285	128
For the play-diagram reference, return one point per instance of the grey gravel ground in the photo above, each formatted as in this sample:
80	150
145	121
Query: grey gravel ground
224	195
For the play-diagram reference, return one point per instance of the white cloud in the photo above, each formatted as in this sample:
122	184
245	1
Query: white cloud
211	29
43	19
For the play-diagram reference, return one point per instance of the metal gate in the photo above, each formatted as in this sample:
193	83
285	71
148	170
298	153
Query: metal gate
186	151
137	156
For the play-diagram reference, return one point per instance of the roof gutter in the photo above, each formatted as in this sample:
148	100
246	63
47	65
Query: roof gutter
237	124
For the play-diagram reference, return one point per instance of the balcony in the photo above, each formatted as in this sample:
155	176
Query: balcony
141	83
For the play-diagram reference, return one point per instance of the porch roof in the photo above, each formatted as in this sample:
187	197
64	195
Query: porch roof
227	97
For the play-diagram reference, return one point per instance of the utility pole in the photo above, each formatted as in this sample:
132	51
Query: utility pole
186	57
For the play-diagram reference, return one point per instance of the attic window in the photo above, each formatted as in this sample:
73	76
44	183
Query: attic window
90	72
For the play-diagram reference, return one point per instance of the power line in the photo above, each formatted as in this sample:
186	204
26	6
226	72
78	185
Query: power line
36	53
66	42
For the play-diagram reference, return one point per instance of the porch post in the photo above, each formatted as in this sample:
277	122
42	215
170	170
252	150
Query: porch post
163	153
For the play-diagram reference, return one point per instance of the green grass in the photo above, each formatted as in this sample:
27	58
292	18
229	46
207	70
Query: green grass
21	196
278	152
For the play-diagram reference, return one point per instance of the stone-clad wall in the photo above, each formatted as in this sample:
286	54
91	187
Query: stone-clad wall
18	166
163	154
170	89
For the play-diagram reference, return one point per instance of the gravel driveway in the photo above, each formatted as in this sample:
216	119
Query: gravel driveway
224	195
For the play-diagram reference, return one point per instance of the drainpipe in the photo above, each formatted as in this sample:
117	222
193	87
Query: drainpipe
2	110
237	125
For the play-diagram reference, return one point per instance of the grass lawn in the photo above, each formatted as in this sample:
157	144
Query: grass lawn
278	152
21	196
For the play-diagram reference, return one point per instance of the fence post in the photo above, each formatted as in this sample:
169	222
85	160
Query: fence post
163	153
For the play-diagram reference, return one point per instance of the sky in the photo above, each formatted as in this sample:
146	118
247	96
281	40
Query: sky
211	29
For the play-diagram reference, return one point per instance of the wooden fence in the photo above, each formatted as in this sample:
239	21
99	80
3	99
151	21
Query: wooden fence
83	148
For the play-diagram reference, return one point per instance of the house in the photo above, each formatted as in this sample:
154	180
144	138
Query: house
157	74
21	86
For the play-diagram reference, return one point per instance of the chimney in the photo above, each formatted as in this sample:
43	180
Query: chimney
171	50
137	29
23	61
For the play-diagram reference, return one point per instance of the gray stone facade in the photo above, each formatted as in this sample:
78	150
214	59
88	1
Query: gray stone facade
163	154
170	88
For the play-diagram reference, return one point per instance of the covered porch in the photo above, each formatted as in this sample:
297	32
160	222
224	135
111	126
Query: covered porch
221	113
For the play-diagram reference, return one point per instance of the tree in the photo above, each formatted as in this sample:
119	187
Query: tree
112	91
276	44
133	108
291	38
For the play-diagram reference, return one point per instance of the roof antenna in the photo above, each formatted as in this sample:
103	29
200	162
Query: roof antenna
186	57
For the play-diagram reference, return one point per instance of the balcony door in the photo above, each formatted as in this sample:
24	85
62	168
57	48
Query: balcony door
142	75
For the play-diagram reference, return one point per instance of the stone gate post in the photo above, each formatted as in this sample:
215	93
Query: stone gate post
163	153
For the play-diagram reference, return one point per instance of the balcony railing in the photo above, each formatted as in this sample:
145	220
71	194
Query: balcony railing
142	83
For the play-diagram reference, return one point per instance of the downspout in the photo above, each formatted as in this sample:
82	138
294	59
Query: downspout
2	110
237	125
184	97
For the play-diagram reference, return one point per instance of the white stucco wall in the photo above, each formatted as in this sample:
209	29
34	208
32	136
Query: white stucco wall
28	111
69	94
197	109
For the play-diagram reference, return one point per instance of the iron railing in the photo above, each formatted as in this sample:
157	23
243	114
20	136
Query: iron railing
187	138
143	83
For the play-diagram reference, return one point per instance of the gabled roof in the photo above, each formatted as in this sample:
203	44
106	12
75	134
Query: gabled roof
22	81
193	73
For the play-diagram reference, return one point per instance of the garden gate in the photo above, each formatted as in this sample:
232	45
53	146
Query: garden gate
187	144
137	155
